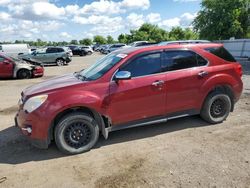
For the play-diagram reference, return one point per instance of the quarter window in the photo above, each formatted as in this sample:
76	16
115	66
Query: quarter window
144	65
222	53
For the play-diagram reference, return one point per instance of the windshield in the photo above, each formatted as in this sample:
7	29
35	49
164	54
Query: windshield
100	67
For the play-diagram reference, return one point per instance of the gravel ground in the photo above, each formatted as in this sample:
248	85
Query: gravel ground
186	152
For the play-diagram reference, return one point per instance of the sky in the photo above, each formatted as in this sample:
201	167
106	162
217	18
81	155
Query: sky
65	20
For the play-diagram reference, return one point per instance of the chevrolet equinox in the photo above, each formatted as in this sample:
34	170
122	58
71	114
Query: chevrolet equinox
128	88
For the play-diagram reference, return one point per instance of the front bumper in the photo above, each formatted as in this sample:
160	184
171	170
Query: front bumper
26	122
68	59
37	72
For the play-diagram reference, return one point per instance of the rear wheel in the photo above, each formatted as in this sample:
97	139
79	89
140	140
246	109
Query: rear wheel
216	107
60	62
76	133
23	74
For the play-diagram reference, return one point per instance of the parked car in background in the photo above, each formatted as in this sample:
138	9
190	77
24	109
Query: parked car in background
15	49
103	48
77	50
11	67
113	47
95	47
183	42
141	43
88	49
128	88
51	55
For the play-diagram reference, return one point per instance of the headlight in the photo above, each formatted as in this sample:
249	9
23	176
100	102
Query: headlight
34	102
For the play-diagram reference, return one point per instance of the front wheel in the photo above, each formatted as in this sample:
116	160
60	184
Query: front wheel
23	74
216	107
76	133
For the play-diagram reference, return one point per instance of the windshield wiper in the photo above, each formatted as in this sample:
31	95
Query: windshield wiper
79	76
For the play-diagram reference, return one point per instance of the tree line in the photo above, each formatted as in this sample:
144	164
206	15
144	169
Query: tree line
217	20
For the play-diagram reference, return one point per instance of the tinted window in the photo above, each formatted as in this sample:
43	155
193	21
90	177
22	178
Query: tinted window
51	50
144	65
2	59
176	60
200	60
60	50
1	48
222	53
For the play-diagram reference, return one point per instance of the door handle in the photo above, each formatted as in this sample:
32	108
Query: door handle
203	73
158	83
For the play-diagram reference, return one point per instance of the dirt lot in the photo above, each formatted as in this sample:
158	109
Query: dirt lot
186	152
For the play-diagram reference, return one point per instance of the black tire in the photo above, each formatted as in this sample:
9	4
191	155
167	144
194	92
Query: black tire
23	74
89	53
60	62
83	53
216	107
76	133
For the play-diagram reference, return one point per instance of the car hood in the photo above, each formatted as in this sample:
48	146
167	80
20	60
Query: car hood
52	84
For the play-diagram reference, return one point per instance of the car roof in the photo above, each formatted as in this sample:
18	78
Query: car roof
186	41
131	50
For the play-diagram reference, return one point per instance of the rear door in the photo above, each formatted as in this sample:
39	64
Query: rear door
141	97
51	55
6	67
186	72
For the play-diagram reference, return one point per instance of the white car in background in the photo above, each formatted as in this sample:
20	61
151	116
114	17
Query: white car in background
88	49
15	49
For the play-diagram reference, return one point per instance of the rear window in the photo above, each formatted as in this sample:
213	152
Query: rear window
222	53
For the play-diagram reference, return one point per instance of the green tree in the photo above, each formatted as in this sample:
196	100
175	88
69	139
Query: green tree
223	19
86	41
124	38
189	34
177	33
110	40
153	33
99	39
75	42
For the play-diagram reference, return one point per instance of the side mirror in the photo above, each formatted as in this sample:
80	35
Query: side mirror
122	75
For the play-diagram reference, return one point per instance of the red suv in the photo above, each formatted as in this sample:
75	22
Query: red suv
127	88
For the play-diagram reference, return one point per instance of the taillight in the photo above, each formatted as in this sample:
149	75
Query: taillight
238	69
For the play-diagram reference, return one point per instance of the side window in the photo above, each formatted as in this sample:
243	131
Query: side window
60	50
144	65
51	50
201	61
177	60
1	48
1	59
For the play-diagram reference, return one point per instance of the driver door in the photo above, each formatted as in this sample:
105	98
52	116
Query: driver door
6	68
141	97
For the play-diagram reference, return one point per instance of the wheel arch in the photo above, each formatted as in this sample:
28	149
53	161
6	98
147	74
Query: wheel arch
19	69
224	88
102	120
